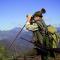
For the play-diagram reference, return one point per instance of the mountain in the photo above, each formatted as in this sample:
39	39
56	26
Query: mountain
20	45
58	29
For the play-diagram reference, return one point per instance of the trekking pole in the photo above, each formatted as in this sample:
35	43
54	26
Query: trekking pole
41	48
17	35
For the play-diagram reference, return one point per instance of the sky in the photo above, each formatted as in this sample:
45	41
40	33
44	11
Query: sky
13	12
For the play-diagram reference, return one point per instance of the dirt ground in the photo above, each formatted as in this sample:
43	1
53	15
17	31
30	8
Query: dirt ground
38	58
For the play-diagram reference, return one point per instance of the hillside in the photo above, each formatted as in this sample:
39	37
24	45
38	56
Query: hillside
20	46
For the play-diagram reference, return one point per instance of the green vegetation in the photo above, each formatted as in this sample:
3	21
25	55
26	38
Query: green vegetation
3	55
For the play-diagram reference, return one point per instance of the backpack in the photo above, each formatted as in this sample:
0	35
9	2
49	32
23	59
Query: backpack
53	43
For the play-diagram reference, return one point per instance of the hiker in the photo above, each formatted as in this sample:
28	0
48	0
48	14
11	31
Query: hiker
36	24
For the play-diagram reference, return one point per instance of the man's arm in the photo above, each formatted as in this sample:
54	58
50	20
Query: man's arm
29	26
32	27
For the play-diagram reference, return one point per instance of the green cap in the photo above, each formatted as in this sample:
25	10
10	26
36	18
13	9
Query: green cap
39	13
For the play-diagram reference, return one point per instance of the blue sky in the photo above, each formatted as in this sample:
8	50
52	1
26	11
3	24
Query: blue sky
13	12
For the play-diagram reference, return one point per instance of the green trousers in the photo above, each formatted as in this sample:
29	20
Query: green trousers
37	37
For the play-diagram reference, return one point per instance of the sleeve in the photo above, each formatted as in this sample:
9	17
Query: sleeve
39	24
42	24
31	27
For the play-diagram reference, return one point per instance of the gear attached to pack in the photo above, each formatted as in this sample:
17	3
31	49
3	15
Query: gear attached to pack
51	29
52	33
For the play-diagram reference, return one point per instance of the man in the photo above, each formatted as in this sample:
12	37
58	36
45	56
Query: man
36	24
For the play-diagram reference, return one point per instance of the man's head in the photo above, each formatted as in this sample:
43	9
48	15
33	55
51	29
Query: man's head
37	18
38	15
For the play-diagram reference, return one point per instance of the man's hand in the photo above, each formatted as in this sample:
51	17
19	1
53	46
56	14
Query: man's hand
28	17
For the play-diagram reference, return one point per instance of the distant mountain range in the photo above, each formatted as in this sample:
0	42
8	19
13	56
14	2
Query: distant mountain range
58	29
6	38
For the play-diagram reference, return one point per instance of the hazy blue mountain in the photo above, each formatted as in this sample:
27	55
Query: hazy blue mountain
58	29
6	38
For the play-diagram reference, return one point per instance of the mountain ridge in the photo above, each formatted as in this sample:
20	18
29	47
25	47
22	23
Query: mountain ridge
6	38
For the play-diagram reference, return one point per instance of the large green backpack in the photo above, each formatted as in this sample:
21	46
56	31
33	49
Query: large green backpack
53	43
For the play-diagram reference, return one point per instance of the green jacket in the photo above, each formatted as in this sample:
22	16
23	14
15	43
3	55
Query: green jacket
32	27
35	28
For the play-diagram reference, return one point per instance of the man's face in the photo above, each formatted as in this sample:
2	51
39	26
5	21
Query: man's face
37	18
